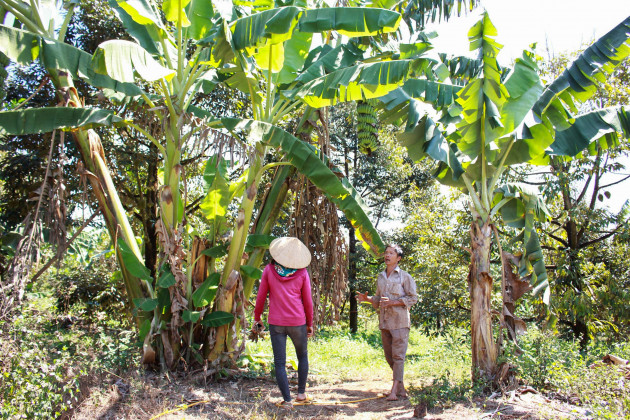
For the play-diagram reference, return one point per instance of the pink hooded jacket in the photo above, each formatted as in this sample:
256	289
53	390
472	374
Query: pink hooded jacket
290	300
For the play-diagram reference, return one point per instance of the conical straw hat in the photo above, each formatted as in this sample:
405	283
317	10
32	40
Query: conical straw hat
290	252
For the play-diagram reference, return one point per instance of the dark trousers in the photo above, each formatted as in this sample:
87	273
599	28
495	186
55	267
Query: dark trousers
279	335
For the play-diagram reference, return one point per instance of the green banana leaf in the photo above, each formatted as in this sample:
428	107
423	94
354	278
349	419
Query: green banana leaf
325	59
123	60
44	120
214	205
207	291
143	22
175	12
426	139
365	81
305	159
217	318
200	13
591	127
350	21
594	64
25	47
520	208
277	25
424	11
270	26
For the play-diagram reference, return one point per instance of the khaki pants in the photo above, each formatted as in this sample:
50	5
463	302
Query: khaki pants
395	347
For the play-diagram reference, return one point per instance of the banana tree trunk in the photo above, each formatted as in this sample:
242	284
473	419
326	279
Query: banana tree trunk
221	343
484	347
95	167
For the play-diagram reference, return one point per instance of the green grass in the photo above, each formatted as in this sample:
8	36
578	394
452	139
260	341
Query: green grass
335	354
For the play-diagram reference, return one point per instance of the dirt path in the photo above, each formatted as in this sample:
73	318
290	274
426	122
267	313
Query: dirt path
156	398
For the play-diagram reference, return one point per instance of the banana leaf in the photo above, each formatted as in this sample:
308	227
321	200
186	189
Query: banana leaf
44	120
591	127
305	159
25	47
594	64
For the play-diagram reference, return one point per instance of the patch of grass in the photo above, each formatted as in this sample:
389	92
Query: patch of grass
337	355
560	368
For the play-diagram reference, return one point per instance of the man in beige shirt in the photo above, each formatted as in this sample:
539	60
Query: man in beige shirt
395	294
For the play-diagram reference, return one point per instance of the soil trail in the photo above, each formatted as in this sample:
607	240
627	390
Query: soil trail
152	398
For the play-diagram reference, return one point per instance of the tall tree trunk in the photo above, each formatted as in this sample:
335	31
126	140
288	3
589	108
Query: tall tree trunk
484	348
151	211
352	280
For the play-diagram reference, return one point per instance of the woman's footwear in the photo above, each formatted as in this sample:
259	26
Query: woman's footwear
285	404
303	401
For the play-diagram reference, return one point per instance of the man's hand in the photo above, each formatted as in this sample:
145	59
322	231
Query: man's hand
363	297
309	332
388	303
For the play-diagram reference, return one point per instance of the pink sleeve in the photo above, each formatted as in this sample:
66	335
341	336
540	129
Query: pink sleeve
307	299
262	296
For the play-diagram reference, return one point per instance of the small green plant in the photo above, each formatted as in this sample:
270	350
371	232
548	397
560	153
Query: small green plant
443	392
38	383
560	368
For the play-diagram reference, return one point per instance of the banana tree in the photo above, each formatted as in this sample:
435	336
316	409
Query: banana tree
42	39
190	314
505	119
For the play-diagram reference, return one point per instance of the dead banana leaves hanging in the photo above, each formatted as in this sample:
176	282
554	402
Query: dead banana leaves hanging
367	126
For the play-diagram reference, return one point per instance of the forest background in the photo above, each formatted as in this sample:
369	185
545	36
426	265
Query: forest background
46	199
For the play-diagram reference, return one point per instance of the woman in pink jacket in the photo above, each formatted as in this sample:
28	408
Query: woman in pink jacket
288	284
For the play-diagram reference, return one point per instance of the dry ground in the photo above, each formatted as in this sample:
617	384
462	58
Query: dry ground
153	397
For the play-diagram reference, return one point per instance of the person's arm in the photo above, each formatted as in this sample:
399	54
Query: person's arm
409	286
263	289
307	301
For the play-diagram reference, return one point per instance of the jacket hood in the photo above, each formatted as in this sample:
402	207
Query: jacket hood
274	273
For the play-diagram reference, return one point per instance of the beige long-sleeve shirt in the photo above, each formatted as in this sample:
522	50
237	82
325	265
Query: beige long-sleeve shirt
398	286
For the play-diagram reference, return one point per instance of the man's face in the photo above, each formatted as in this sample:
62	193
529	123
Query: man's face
391	257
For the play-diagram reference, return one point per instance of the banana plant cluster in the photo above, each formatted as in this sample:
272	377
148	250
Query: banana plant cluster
189	307
503	117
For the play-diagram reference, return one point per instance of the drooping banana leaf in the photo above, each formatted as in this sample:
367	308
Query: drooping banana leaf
591	127
123	60
424	11
143	22
426	139
305	159
43	120
24	47
594	64
365	81
520	208
325	59
439	95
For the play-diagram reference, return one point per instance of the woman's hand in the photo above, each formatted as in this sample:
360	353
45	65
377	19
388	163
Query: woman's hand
309	332
258	326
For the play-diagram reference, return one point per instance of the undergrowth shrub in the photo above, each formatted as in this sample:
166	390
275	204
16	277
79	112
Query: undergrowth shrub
38	382
90	292
558	367
43	361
